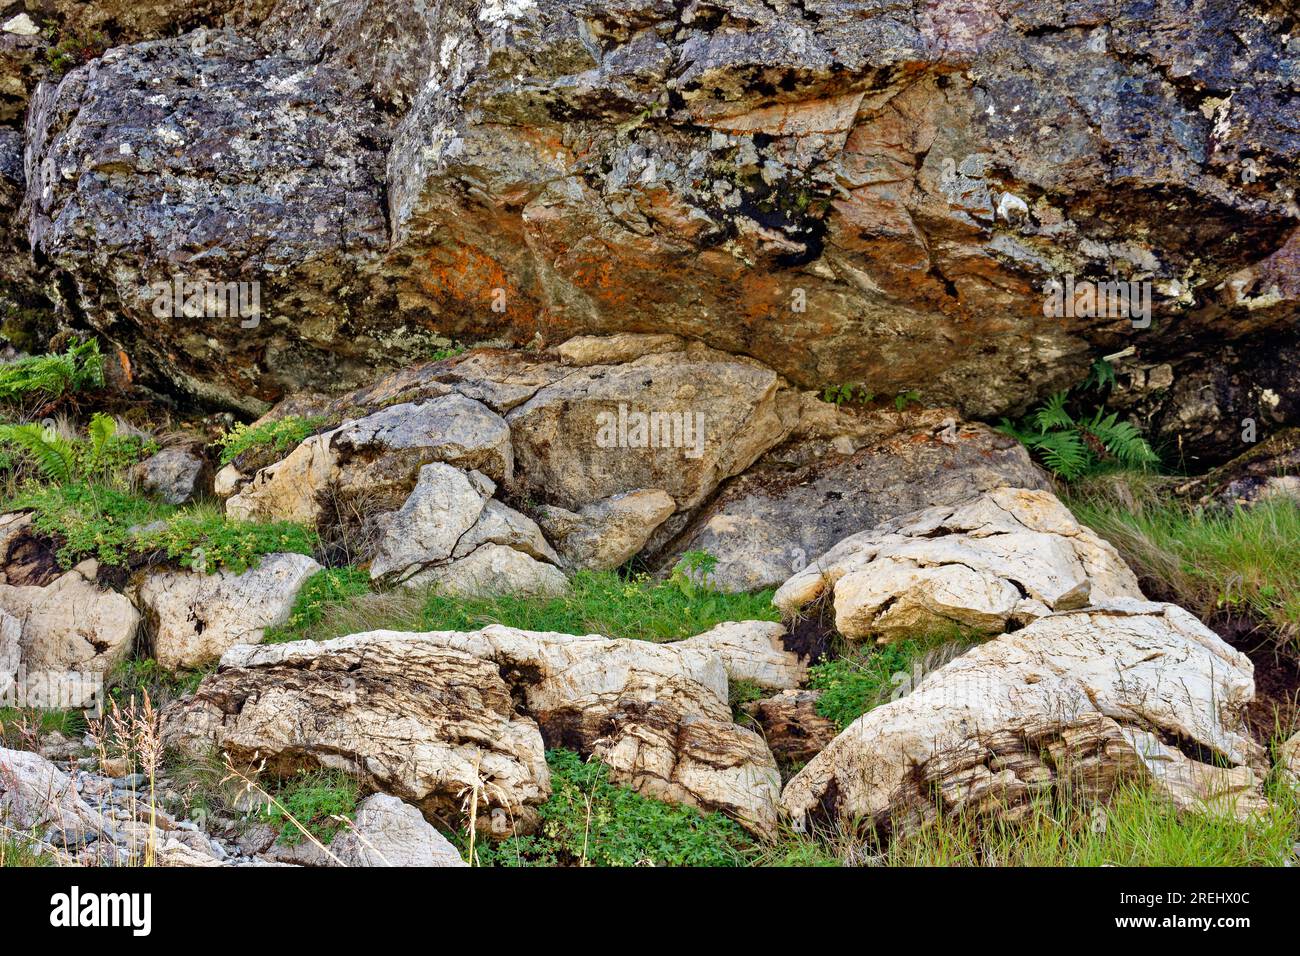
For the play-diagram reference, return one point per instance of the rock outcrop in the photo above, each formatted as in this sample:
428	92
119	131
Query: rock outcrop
989	564
1066	698
430	716
865	193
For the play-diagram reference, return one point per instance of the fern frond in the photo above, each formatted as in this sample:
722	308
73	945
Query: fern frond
1053	414
1064	452
53	456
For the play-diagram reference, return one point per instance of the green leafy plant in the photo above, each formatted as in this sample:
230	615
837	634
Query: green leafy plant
69	52
690	575
100	456
903	399
846	394
279	435
205	542
45	379
1072	447
587	821
317	800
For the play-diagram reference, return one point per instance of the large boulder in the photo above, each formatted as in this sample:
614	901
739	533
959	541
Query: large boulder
602	535
388	832
371	464
1030	709
73	633
428	716
988	564
196	617
795	504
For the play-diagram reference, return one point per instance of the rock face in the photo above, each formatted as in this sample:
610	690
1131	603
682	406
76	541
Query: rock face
195	618
72	635
753	651
771	521
791	725
988	564
1031	708
864	193
424	716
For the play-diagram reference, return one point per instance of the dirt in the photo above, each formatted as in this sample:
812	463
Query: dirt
1274	714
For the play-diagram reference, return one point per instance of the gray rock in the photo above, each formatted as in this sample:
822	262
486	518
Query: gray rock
443	506
603	535
176	475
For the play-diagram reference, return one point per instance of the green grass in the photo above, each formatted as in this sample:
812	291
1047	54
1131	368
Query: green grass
323	594
133	679
21	726
279	435
1243	560
604	603
17	852
863	678
599	602
316	799
1136	829
587	821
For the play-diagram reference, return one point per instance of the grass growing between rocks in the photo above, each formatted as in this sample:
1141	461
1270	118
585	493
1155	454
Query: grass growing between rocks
336	603
319	800
1244	560
587	821
864	677
21	728
1137	828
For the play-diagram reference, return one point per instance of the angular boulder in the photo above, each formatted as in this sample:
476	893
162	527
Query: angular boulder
197	617
388	832
987	564
603	535
1024	711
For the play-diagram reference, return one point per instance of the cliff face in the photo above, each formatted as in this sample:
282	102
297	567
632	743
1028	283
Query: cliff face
850	190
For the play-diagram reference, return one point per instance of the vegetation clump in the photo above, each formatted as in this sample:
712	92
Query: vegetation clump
588	821
44	379
279	435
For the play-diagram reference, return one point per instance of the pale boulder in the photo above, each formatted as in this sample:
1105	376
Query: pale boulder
993	562
753	651
493	570
1012	714
603	535
388	832
198	617
73	633
442	507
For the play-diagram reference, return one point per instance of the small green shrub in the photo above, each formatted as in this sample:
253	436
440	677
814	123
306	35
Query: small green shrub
847	394
44	379
587	821
280	435
316	799
205	542
903	399
102	456
322	592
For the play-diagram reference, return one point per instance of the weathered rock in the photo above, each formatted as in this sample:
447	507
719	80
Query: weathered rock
1270	469
790	724
987	564
11	633
280	174
753	651
176	475
195	617
371	464
388	832
410	717
1197	786
657	714
585	350
603	535
493	570
769	522
678	422
73	635
35	794
500	524
1032	707
443	506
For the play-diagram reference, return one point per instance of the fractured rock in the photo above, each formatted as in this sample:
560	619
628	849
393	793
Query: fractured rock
603	535
1020	711
197	617
991	562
